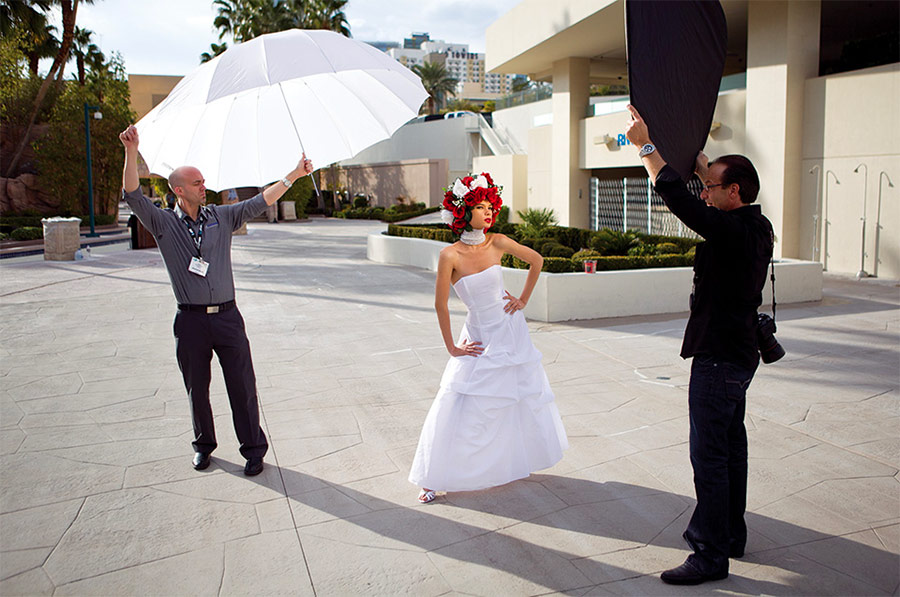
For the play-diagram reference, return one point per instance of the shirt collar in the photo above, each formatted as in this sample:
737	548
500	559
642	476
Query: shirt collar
202	214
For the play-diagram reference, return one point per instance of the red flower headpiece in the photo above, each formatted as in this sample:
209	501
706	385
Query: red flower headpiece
466	193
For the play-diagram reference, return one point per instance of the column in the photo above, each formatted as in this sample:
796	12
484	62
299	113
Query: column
782	53
569	196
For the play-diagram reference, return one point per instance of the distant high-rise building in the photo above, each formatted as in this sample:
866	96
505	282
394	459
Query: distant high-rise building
384	46
461	64
414	41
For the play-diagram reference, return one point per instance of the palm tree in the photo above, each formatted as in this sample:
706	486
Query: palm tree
215	50
23	16
69	10
85	51
437	83
242	20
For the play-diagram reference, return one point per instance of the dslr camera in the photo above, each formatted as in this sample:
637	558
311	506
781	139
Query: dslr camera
769	348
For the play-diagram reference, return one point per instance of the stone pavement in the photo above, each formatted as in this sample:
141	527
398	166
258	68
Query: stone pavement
98	496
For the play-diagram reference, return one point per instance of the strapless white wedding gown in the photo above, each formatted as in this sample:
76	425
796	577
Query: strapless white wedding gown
494	419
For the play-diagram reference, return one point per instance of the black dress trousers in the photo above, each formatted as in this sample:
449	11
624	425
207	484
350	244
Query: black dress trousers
197	335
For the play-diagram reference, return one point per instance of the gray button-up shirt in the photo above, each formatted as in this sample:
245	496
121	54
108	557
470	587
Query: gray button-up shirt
170	227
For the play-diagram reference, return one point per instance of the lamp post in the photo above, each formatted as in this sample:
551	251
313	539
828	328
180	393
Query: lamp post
862	249
878	220
815	244
87	136
825	223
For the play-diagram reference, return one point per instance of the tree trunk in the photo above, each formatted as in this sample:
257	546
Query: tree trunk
69	10
79	61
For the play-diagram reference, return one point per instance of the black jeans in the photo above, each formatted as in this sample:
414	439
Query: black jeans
716	401
197	335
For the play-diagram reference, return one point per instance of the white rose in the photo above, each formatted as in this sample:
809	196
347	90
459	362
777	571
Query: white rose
459	189
480	181
447	216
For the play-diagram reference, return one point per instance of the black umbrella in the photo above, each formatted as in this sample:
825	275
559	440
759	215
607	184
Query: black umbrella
676	54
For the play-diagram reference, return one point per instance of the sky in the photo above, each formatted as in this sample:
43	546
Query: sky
166	37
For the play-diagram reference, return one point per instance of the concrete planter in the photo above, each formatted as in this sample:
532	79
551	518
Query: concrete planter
62	237
564	297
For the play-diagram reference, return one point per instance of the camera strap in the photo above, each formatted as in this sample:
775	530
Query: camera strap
772	262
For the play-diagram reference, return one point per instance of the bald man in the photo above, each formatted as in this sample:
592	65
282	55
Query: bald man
195	242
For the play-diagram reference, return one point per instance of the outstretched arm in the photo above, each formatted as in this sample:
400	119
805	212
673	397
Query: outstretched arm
638	133
130	179
274	192
534	259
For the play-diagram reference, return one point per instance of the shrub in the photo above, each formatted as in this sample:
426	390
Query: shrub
667	249
559	265
574	238
581	256
27	233
554	249
503	215
612	242
536	221
360	201
640	249
4	236
683	244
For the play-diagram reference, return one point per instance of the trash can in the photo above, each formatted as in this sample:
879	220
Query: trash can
62	237
288	210
141	238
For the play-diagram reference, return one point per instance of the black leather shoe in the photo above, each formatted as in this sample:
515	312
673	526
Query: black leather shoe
201	461
687	574
254	466
736	553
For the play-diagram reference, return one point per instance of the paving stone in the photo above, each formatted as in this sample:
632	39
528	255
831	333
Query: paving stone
193	573
158	525
265	564
342	567
11	440
498	560
51	479
32	582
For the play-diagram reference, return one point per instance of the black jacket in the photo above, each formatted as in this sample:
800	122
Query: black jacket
729	273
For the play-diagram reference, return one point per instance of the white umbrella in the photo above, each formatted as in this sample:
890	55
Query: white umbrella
245	117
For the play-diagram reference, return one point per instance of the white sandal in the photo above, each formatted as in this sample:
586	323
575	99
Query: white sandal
427	496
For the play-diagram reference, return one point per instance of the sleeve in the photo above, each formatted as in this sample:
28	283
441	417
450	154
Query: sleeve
149	215
707	221
236	214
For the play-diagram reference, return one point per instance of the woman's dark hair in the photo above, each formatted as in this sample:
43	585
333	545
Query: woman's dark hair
740	171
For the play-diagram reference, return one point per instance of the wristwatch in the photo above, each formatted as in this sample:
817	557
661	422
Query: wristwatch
288	183
647	149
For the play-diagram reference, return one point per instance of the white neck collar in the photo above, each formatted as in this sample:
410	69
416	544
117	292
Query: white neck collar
472	237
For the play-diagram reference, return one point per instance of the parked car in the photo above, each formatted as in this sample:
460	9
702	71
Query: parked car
458	114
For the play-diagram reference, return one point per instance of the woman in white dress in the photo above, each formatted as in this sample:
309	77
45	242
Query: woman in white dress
494	419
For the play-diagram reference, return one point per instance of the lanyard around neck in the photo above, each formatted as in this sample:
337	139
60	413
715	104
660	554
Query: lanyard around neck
197	237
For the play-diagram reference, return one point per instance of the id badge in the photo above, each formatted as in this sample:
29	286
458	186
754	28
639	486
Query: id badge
198	266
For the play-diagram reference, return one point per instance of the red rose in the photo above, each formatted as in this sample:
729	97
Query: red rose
458	210
489	179
467	181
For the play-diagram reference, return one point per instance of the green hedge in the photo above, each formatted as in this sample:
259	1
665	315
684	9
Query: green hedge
428	231
380	213
558	263
27	233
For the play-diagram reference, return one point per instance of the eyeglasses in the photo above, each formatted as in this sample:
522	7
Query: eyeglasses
707	187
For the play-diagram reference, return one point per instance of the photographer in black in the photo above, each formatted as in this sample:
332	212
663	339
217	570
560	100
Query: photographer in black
721	336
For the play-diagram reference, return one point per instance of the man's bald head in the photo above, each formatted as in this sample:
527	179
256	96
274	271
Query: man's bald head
181	177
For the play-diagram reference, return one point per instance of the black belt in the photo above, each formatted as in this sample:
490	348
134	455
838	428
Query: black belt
207	308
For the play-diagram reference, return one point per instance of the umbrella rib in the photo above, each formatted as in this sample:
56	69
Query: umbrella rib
384	128
330	113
